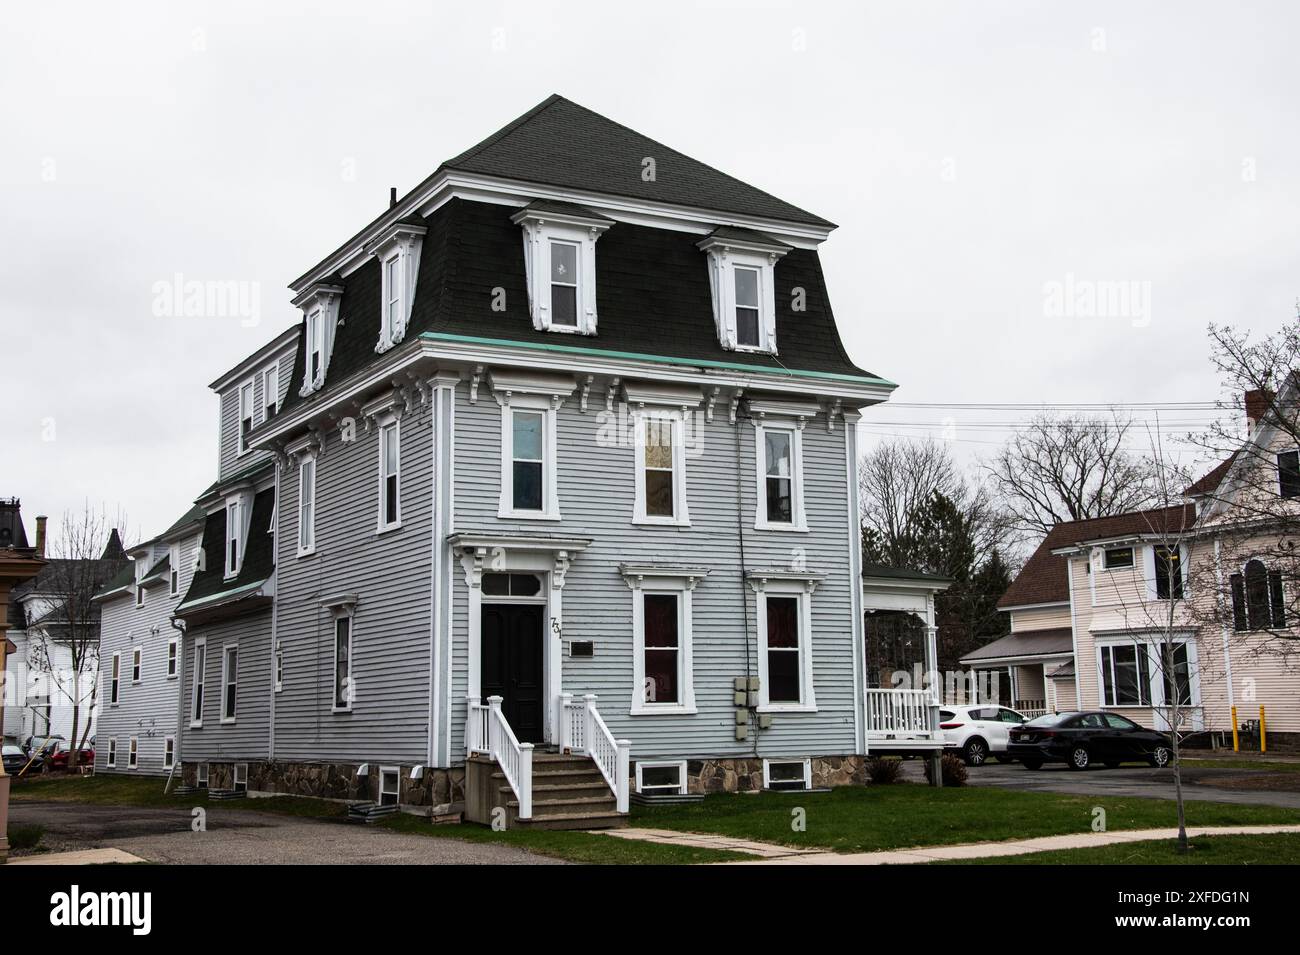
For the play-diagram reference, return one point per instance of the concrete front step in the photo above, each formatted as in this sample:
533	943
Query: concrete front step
561	790
576	820
563	806
558	777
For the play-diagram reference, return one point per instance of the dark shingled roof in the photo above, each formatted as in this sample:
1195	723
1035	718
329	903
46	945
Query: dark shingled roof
652	289
1210	482
1064	670
901	573
559	143
1027	643
259	556
1043	579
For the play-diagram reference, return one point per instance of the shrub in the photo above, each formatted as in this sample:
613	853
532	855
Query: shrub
952	769
883	770
25	837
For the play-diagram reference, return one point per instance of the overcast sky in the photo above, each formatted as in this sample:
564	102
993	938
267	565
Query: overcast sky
972	153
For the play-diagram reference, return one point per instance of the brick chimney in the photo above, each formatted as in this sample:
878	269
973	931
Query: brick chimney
40	535
1256	402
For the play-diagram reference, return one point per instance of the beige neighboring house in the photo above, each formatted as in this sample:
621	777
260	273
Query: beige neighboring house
1091	608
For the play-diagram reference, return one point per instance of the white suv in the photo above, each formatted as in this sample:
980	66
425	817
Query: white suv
978	730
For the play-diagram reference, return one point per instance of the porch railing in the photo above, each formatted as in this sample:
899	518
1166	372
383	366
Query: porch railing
488	733
905	713
583	731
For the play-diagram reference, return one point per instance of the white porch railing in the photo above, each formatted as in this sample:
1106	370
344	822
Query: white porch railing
488	733
583	731
900	713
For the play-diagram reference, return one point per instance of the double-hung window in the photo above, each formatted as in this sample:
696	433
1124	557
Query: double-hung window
1258	598
748	314
270	391
169	752
174	571
173	649
136	667
199	676
661	638
528	448
315	347
1125	674
660	468
1168	572
111	762
390	512
1288	473
234	538
742	278
115	679
246	412
343	694
307	506
564	284
229	682
393	297
785	666
778	447
133	753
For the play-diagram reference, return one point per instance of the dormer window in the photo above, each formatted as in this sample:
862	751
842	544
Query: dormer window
560	259
398	251
270	391
234	537
320	306
742	277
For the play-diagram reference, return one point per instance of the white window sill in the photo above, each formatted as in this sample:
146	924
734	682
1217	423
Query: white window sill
754	349
666	710
278	688
311	552
786	528
527	516
661	522
196	725
387	528
228	720
787	708
567	329
340	709
171	676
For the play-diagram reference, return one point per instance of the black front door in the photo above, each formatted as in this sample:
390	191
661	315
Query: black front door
512	665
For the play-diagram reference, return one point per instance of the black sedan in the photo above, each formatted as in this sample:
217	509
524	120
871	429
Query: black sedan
15	759
1081	739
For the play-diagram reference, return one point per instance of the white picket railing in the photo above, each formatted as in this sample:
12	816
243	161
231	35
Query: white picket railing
488	733
583	731
900	713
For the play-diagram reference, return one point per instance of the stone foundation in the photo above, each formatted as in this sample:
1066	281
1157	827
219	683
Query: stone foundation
442	790
746	774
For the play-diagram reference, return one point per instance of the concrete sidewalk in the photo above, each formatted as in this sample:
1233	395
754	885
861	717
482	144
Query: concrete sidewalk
78	857
704	840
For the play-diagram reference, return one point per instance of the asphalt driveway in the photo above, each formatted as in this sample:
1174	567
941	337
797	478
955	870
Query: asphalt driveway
1198	783
245	837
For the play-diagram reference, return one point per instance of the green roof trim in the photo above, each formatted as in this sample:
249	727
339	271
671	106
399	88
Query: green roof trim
219	597
662	359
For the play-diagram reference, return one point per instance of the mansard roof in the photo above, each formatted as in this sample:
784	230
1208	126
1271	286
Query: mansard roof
652	290
210	588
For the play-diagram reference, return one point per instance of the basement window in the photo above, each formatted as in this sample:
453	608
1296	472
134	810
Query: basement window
390	782
661	779
201	776
791	774
241	777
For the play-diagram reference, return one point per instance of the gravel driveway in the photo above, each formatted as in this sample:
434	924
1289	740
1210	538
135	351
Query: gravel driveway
245	837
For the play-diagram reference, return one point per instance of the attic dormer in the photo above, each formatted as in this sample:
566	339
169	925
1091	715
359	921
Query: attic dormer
742	279
560	260
398	252
320	309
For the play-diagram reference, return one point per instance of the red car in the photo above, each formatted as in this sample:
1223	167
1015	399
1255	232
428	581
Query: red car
58	759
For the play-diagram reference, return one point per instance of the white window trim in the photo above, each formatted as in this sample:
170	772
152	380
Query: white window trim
169	752
550	492
680	582
723	257
198	680
239	777
393	771
201	775
800	587
320	308
1149	569
277	664
681	511
1153	646
807	772
400	241
174	570
348	693
241	447
235	534
384	423
310	547
678	764
1105	558
137	665
270	379
115	680
226	680
173	658
133	753
799	520
111	760
540	229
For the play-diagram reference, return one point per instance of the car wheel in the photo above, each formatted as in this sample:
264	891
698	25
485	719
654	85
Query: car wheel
1160	757
1032	763
1079	758
975	752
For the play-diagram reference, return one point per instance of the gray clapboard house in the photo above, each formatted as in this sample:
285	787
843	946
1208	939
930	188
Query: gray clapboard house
560	502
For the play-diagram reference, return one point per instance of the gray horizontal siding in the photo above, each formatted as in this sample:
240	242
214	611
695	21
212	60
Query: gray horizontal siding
246	737
146	710
391	629
596	487
231	461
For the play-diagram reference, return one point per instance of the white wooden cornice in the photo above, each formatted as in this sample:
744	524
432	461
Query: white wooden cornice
759	578
634	575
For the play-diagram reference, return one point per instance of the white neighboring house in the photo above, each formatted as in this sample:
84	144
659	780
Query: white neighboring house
41	702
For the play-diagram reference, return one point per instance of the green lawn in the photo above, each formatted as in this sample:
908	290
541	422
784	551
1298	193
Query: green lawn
1280	849
863	819
573	846
1271	766
115	790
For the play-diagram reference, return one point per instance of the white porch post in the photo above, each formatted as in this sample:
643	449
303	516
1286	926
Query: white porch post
624	758
562	714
